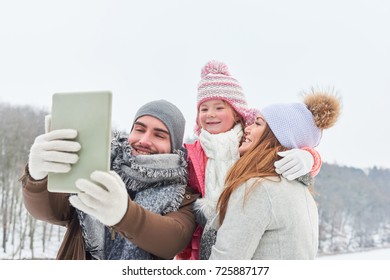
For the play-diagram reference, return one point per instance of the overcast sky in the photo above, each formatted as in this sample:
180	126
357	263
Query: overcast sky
147	50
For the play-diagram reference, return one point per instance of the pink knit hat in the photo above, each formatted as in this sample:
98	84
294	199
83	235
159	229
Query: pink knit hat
217	83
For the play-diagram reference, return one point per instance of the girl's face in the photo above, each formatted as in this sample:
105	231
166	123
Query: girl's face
217	116
253	133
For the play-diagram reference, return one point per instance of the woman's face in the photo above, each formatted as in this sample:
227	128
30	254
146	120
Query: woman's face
253	133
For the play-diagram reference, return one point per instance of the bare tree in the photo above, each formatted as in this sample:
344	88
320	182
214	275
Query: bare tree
19	125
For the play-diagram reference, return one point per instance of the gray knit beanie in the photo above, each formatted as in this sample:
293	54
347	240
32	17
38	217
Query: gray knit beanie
170	115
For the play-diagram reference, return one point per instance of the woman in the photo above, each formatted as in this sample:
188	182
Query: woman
261	214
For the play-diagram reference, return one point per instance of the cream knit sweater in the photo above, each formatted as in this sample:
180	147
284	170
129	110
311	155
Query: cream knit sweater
277	220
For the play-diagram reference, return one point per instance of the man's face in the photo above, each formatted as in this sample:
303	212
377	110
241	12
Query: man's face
149	136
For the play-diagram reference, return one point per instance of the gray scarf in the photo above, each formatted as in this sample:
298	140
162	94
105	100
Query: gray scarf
155	182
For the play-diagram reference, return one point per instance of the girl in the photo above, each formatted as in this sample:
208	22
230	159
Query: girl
262	215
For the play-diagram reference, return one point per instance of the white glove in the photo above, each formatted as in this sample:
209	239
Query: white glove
294	164
105	199
53	152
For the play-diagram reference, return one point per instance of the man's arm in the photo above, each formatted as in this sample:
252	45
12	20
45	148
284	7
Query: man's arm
43	205
162	236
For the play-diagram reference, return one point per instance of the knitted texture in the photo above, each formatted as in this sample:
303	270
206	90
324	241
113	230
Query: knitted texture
222	152
298	125
293	125
155	182
217	83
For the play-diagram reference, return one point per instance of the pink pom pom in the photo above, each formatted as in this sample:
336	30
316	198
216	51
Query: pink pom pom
214	67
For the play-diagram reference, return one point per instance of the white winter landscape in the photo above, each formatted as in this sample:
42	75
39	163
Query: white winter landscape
377	254
53	244
357	264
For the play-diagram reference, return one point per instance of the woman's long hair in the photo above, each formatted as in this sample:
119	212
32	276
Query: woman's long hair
258	161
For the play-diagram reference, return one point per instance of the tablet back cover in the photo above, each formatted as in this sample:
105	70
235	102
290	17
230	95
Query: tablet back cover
90	114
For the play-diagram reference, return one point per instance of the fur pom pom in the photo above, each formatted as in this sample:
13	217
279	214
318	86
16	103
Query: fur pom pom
205	207
325	107
214	67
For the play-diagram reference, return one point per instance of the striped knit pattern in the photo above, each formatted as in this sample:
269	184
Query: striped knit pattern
217	83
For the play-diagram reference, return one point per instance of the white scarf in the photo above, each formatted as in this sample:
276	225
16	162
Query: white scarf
222	152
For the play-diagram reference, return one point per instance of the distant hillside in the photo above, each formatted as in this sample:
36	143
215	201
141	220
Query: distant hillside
354	208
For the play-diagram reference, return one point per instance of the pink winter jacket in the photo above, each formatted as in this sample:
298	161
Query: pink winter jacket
196	178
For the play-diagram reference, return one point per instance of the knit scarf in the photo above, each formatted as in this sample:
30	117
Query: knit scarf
222	152
155	182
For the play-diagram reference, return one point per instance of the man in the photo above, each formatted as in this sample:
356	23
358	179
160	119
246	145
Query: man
143	211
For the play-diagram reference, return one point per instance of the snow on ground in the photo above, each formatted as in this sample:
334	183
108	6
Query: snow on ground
377	254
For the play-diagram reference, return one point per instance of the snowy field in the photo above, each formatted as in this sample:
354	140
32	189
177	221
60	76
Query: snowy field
370	264
378	254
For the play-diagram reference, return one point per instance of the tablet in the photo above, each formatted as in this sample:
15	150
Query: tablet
90	114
